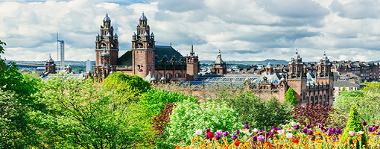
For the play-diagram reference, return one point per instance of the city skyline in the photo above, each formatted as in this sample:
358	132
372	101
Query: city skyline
243	30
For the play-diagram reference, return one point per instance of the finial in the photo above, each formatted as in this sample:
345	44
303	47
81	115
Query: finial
192	49
296	51
49	55
324	52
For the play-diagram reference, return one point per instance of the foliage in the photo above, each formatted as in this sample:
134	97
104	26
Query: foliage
125	86
354	124
254	110
343	90
366	102
78	114
154	100
160	121
188	117
311	115
290	97
337	119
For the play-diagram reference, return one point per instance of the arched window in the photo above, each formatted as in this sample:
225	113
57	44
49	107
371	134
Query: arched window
320	97
312	98
177	75
324	96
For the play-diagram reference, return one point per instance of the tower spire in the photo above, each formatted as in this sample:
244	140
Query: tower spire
192	51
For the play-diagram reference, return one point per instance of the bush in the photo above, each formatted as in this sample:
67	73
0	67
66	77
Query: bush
253	110
355	125
188	117
290	97
311	115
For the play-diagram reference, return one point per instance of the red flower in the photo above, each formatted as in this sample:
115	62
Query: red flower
210	135
296	141
237	143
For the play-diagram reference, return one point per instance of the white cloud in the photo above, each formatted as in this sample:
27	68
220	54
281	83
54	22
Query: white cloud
243	30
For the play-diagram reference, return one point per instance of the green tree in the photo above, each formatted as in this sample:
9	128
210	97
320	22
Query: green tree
79	114
290	97
343	90
253	110
15	103
125	87
354	124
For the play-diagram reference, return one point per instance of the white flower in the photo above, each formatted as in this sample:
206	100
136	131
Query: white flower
289	135
293	123
198	132
255	130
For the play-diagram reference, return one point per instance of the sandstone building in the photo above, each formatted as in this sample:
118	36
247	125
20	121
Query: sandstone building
145	58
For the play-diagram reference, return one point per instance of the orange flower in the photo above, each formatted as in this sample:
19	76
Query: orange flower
354	140
192	140
182	141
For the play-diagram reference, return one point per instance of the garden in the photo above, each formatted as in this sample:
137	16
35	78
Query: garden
124	111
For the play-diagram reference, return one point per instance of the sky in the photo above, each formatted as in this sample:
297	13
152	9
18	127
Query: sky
243	30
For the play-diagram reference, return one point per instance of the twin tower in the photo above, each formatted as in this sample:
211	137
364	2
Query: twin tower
145	58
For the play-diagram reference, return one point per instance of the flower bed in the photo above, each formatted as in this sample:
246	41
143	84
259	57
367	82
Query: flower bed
291	135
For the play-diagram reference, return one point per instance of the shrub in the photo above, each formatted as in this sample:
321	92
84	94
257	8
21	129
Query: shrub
188	117
253	110
355	125
311	115
290	97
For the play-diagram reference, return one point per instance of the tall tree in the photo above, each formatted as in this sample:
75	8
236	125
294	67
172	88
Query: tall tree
290	97
343	90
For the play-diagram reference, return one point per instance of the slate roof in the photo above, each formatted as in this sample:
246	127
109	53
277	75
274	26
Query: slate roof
161	51
344	83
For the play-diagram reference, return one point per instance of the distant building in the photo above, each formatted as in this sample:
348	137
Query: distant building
49	65
219	66
162	62
88	66
338	87
366	71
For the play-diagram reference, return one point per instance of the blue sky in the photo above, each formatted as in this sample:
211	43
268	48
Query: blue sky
241	29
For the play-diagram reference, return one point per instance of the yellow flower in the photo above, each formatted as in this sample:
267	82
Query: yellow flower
196	137
192	140
354	140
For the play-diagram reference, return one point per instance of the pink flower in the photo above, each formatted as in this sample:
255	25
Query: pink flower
260	138
198	132
280	132
351	133
289	135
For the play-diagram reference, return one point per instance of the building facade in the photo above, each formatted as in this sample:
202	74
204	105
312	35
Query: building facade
366	71
144	58
219	67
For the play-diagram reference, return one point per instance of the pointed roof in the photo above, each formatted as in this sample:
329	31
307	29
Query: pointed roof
106	18
324	56
269	65
143	17
149	77
296	56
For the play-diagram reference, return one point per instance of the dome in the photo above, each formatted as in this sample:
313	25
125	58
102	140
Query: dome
143	17
163	78
269	65
106	18
68	66
116	35
282	79
219	59
149	77
152	34
105	53
50	59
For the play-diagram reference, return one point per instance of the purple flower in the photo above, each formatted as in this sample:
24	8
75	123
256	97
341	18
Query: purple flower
310	132
254	138
207	130
218	136
246	126
297	127
308	126
378	133
260	138
269	134
370	129
324	129
206	136
226	133
259	132
304	130
237	131
339	131
273	128
329	133
234	137
351	133
364	123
